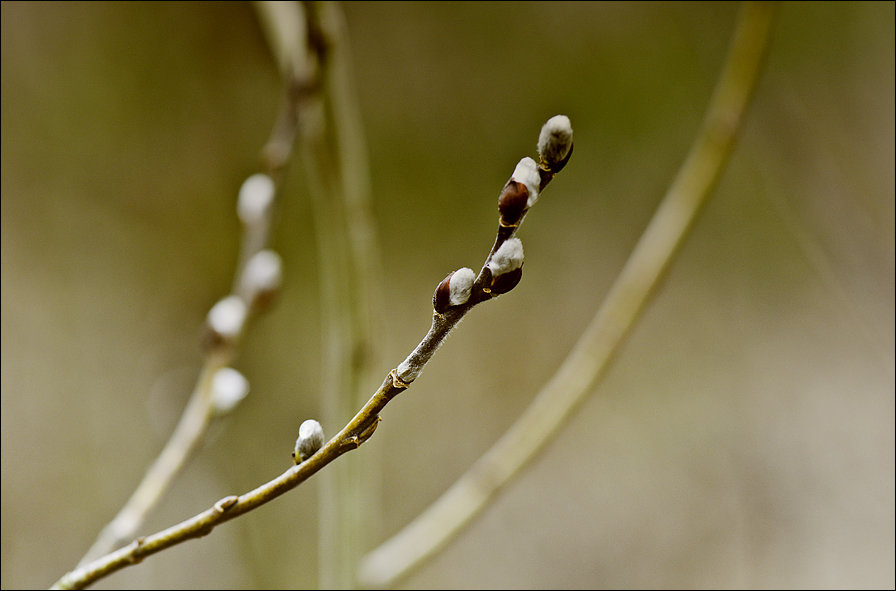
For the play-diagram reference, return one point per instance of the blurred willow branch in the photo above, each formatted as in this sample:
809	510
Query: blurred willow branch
338	179
583	368
285	26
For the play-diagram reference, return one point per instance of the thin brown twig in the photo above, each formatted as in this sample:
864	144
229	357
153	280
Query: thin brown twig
488	285
300	76
582	369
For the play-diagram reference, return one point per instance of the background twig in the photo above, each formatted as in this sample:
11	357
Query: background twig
200	408
582	369
337	170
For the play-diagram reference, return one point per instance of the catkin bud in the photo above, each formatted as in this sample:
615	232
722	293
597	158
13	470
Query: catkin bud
513	202
311	438
506	266
454	290
555	143
508	257
225	320
255	199
229	387
261	277
526	173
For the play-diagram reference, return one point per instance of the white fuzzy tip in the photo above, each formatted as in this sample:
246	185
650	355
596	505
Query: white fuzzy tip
263	273
227	317
555	140
460	285
526	172
229	387
509	257
311	439
255	199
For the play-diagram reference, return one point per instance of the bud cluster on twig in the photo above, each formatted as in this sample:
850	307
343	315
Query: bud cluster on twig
503	268
259	277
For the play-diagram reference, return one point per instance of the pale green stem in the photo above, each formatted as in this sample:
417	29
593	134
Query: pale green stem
159	476
349	262
354	434
582	369
280	23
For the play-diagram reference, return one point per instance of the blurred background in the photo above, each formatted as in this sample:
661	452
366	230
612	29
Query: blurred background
744	437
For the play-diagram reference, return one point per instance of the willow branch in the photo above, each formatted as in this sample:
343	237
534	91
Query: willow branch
221	349
455	296
583	368
356	432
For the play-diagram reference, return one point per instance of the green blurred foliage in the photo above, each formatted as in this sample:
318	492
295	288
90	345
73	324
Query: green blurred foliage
744	436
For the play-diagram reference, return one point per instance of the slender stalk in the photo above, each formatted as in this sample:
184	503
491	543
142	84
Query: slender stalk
199	410
339	374
583	368
158	477
349	262
356	432
488	284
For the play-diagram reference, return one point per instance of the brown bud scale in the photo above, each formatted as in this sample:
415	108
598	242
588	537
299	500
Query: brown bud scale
506	281
512	202
441	299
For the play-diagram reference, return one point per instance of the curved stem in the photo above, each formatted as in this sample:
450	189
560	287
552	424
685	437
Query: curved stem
199	410
356	432
158	477
352	436
338	176
583	368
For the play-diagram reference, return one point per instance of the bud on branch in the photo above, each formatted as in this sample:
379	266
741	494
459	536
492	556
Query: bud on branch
454	290
555	143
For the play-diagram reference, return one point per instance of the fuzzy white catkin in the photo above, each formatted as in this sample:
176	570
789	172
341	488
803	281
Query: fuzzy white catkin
509	257
227	316
459	286
526	172
555	139
263	272
229	387
255	199
311	438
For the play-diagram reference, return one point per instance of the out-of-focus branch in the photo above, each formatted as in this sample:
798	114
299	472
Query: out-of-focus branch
337	169
583	368
228	320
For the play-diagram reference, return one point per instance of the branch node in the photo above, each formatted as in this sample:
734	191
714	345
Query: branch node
368	431
226	503
397	381
134	556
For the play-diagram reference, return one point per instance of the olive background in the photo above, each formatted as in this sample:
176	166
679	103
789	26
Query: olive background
744	435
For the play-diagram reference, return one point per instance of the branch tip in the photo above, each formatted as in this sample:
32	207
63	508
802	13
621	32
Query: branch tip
555	143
